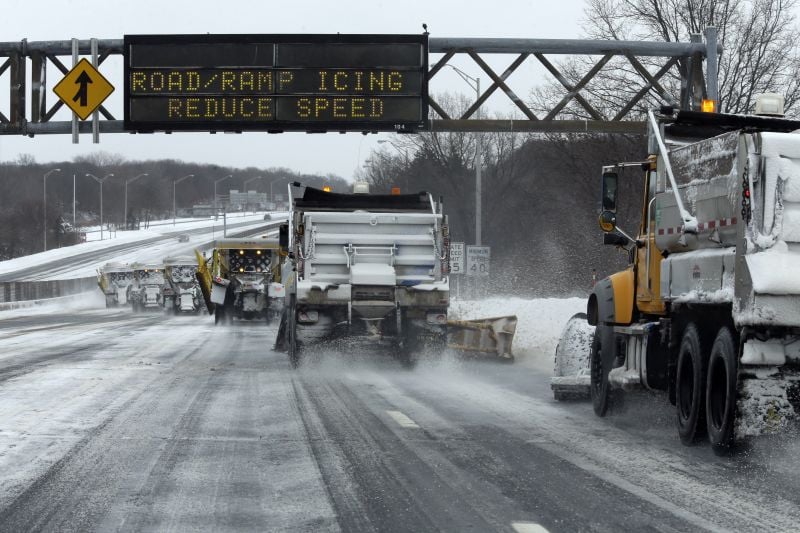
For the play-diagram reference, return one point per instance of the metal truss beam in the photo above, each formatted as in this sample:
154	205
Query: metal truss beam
16	56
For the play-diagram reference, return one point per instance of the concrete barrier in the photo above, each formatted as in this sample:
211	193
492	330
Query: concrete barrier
19	291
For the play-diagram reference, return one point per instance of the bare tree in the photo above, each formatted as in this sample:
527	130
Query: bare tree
761	51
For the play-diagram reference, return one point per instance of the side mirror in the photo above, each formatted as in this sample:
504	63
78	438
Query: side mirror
609	200
283	236
607	221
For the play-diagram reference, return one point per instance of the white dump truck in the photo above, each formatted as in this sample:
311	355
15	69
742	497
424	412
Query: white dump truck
181	290
114	280
709	308
366	267
148	282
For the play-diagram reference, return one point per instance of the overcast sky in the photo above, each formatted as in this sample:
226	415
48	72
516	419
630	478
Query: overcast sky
319	153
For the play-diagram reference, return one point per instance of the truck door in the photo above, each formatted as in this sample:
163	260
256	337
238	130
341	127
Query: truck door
648	257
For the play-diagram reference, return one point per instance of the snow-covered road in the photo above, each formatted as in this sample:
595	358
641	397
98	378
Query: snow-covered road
113	421
153	244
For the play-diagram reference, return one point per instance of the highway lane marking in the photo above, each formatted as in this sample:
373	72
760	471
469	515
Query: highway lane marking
402	419
636	490
528	527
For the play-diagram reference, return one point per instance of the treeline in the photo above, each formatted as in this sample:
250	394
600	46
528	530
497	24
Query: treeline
150	196
540	197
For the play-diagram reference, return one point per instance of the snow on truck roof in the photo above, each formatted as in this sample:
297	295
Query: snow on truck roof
318	199
246	244
696	124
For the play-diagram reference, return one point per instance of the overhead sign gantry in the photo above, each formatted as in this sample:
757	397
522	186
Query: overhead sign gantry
367	83
276	82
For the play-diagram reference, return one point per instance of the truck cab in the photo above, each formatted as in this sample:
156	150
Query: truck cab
242	279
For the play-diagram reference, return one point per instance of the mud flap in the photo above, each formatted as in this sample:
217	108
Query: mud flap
571	375
486	337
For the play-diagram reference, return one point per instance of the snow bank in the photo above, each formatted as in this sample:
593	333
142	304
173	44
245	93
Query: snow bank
539	325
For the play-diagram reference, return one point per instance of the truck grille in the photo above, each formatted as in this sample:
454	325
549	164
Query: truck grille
366	292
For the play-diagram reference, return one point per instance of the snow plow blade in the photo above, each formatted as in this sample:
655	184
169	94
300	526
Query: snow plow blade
204	277
490	337
570	379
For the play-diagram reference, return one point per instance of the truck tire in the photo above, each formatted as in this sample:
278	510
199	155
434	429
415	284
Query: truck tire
690	387
600	360
721	389
219	315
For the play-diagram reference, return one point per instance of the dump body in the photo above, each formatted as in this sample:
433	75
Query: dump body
181	292
242	279
368	267
114	280
745	256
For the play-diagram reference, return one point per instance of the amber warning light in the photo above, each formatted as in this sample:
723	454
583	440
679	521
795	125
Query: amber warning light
708	106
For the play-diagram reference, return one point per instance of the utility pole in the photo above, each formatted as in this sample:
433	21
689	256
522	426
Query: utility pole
44	204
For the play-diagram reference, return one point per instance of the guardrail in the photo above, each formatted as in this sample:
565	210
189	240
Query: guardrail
17	291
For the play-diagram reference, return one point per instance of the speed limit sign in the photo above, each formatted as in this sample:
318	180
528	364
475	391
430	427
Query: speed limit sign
478	260
456	258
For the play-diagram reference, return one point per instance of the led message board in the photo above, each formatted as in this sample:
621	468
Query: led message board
276	83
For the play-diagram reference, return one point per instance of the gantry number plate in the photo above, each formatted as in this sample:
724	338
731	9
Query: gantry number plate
276	83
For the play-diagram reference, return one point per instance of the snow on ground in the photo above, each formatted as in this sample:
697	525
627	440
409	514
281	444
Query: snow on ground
155	252
539	323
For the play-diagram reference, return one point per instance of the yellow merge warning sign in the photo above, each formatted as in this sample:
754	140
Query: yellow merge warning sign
83	89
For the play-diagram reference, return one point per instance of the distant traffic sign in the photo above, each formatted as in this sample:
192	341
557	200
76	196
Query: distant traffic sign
456	257
83	89
478	260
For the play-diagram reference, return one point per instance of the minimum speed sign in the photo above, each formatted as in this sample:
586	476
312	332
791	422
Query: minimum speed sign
478	260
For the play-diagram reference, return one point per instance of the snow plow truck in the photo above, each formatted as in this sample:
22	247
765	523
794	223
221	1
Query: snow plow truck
145	291
709	308
242	279
114	280
181	291
373	270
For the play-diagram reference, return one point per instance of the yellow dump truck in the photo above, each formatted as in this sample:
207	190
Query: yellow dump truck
242	279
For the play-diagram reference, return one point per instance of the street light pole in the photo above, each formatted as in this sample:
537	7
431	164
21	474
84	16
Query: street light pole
100	181
215	193
125	220
406	160
271	196
175	182
478	152
44	204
